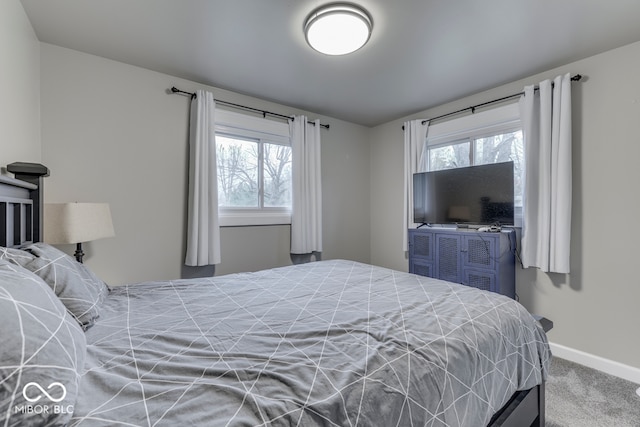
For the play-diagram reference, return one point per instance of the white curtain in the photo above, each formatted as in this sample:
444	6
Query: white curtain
203	228
415	137
546	231
306	215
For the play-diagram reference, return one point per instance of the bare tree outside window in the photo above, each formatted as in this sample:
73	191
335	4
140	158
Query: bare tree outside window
245	167
503	148
237	172
492	149
450	156
277	175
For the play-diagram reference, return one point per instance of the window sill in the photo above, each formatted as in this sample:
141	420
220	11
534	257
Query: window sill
254	218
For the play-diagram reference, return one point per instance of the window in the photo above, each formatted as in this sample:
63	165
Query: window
492	136
253	173
254	170
502	147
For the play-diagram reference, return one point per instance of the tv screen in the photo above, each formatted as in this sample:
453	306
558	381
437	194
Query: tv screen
474	195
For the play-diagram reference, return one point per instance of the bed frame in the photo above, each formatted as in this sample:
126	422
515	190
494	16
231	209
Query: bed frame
21	203
21	207
526	408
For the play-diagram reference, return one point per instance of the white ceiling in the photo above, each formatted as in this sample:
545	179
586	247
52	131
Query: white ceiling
422	53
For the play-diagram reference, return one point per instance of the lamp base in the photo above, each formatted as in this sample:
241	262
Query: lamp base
79	254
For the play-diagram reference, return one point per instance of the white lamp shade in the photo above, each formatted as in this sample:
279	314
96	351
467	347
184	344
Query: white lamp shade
76	222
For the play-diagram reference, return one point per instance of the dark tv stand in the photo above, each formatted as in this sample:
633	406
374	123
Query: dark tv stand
467	256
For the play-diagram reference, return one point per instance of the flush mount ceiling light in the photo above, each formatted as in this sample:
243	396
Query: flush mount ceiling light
338	28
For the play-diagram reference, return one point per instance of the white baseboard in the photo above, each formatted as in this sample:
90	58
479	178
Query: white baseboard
608	366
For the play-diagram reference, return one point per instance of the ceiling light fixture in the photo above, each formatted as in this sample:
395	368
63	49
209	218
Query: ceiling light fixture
338	28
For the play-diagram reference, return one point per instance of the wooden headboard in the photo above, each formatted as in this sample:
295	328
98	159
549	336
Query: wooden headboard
21	204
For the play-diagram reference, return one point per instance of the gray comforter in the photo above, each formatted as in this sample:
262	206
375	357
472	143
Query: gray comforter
331	343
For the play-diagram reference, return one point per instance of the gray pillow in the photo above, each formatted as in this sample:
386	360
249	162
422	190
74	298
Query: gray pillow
76	286
42	352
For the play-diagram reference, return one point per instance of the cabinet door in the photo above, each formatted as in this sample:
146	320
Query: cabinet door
479	252
481	279
421	267
421	244
448	257
421	252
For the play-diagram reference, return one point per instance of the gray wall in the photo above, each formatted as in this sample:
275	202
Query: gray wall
111	133
595	308
20	77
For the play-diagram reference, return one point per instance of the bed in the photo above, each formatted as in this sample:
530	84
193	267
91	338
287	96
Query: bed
328	343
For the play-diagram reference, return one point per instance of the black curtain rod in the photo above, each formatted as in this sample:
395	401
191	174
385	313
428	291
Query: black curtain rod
575	78
244	107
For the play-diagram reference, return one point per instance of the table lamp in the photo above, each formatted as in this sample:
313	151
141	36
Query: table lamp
66	223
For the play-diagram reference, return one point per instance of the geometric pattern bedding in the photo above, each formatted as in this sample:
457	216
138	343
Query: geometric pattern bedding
330	343
75	285
42	352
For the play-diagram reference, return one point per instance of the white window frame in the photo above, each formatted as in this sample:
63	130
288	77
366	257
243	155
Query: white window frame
232	124
477	125
502	119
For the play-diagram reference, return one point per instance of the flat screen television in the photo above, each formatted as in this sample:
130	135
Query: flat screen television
474	195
